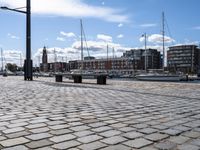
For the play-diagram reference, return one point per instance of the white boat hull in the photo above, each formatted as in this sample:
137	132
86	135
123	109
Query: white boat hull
159	78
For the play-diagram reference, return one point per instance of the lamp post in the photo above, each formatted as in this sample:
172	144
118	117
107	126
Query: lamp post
28	64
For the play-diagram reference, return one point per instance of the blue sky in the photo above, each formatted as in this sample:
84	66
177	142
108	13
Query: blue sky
118	23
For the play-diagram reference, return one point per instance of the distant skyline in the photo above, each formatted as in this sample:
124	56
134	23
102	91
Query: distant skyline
118	23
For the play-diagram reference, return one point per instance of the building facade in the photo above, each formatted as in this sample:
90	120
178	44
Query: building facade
139	56
130	61
184	58
53	66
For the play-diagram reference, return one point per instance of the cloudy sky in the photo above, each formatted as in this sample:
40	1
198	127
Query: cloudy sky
118	23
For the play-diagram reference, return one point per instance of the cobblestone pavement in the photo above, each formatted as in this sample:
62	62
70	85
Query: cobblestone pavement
122	115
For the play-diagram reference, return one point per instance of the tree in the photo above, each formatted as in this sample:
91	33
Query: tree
11	67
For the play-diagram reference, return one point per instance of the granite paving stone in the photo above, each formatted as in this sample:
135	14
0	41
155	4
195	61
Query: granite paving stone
60	131
188	147
179	139
89	138
132	135
2	138
83	133
40	130
38	136
37	125
45	148
66	145
101	129
98	124
110	133
172	132
39	144
18	134
138	143
114	140
92	146
148	130
13	130
62	126
195	142
13	142
127	129
17	124
62	138
79	128
156	137
192	134
117	147
43	114
19	147
166	145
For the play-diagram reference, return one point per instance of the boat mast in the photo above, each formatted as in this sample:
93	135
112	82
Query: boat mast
81	44
107	58
163	38
145	47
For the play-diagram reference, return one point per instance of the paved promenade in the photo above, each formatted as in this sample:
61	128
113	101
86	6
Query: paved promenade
122	115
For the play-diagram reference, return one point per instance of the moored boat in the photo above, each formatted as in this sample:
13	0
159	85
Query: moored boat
159	77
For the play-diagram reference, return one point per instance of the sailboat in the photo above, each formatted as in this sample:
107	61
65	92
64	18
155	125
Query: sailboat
86	74
154	76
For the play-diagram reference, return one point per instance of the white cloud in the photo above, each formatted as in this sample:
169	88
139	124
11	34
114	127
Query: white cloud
148	25
70	8
60	39
157	38
120	36
96	48
69	34
13	56
61	54
105	38
13	36
120	25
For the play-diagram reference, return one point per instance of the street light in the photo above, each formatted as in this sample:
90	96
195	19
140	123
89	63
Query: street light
28	64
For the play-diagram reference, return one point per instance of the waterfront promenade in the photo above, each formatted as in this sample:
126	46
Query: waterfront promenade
122	115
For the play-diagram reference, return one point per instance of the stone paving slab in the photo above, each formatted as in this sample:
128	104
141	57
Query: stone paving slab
45	115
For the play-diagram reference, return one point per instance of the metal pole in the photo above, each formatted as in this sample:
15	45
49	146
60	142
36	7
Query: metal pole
163	38
28	64
81	44
107	59
145	46
2	59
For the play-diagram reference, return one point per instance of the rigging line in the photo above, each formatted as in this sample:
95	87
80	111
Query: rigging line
168	29
86	42
20	8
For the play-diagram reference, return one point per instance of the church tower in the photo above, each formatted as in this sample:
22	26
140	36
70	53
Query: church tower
45	60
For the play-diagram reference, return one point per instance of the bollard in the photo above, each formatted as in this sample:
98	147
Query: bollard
5	75
101	79
59	78
77	78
